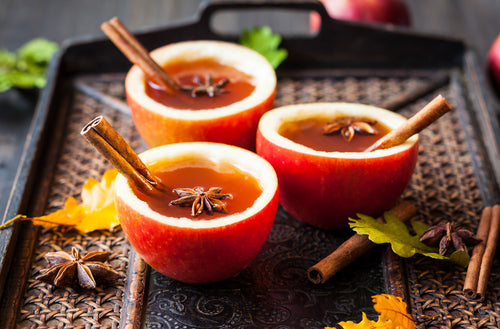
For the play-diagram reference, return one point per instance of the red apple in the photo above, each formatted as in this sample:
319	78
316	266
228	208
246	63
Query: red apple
234	124
326	188
379	11
494	60
194	250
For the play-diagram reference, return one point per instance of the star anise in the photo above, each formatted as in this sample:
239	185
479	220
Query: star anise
200	201
206	88
348	127
67	269
447	236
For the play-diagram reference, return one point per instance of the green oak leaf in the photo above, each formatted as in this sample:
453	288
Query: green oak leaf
402	242
264	41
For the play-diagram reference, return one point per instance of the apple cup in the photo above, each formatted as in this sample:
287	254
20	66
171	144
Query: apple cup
200	249
325	188
203	118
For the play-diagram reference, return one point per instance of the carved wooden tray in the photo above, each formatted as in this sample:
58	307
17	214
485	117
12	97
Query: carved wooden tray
454	179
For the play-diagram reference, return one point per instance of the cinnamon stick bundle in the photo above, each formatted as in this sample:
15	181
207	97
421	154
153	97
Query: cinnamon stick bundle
423	118
353	248
481	261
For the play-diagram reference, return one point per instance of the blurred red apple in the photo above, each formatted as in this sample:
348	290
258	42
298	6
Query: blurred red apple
324	188
196	250
380	11
494	61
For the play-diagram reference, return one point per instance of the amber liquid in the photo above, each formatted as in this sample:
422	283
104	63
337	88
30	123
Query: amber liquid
239	87
243	188
310	133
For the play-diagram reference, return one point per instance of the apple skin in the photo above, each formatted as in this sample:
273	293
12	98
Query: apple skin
379	11
237	129
494	61
197	255
200	251
325	191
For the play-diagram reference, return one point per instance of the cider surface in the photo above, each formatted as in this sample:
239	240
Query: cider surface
239	87
243	188
309	132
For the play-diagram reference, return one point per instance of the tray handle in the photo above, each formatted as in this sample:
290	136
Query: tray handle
209	8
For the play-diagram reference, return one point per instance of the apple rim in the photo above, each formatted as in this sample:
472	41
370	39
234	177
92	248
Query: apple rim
257	67
218	156
272	120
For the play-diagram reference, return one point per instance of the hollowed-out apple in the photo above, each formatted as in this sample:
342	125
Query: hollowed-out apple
326	188
232	123
192	249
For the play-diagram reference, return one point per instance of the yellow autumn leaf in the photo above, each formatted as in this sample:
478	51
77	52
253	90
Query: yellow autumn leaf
393	308
71	214
96	212
365	323
393	315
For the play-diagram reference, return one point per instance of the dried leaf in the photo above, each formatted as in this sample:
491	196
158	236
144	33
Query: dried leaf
393	315
98	202
402	242
96	212
365	323
393	309
70	215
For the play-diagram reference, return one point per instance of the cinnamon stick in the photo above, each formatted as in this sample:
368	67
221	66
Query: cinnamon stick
489	253
115	149
137	54
472	276
353	248
423	118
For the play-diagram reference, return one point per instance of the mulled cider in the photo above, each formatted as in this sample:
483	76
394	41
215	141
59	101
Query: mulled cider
226	185
206	84
340	134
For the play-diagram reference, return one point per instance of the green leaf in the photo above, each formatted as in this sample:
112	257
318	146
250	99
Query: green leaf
5	83
26	80
7	60
402	242
37	51
264	41
26	69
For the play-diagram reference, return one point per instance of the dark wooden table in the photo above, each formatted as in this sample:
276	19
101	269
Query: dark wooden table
475	22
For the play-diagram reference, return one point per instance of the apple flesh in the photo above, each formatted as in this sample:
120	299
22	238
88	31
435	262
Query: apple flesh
324	189
494	61
376	11
200	251
235	124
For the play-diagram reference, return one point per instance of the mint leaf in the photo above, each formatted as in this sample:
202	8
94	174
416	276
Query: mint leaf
403	243
7	60
26	68
264	41
37	51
